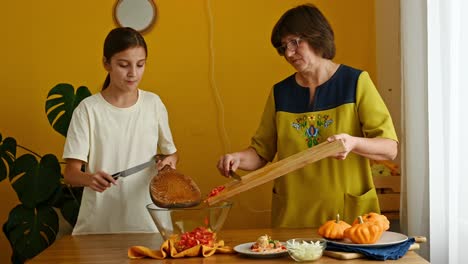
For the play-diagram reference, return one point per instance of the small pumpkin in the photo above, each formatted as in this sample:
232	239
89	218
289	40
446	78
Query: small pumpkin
377	218
364	232
333	229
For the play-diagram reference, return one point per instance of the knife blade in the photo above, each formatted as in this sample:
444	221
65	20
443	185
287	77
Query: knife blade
234	175
134	169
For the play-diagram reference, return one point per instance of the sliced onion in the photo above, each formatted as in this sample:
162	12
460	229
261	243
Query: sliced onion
304	250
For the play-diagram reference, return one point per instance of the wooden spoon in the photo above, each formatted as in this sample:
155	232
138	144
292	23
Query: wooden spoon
172	189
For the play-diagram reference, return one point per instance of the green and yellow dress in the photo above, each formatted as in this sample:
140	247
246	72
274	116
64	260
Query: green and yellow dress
347	103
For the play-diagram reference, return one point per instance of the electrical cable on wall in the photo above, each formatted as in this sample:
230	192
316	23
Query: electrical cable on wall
219	103
218	100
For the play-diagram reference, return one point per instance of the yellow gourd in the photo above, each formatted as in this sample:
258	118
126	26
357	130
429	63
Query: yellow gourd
364	232
333	229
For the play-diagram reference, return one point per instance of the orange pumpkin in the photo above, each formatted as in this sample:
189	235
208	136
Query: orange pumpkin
377	218
333	229
364	232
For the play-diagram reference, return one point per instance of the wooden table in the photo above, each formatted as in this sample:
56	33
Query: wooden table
99	249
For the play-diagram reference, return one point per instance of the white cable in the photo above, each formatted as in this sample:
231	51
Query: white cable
218	100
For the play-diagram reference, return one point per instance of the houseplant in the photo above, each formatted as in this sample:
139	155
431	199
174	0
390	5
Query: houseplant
33	225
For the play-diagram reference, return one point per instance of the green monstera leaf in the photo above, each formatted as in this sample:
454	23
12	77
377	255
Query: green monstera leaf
35	182
61	101
68	200
70	211
31	230
7	155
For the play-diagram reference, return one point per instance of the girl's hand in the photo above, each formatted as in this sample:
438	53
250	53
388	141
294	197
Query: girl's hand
348	141
163	160
100	181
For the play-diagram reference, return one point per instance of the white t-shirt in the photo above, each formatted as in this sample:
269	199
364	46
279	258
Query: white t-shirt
113	139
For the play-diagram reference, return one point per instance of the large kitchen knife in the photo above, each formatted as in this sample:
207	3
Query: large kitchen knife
134	169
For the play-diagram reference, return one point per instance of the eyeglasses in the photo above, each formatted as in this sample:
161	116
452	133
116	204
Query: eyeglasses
290	45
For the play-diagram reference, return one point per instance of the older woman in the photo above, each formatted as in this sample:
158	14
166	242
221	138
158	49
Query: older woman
321	101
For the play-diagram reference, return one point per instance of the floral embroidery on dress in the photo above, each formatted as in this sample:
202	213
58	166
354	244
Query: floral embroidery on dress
310	127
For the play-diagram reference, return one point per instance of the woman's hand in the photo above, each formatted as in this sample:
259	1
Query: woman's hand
247	160
372	148
349	144
228	162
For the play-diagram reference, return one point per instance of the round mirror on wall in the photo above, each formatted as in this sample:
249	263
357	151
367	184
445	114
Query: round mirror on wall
137	14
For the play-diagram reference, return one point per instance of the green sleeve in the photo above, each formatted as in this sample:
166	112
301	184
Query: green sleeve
264	140
373	114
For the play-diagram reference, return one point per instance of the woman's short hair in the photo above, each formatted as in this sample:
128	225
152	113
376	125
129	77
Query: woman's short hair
307	22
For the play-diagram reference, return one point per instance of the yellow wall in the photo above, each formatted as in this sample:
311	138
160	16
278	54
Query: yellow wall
48	42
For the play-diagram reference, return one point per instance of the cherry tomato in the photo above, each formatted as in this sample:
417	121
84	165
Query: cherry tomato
199	235
216	190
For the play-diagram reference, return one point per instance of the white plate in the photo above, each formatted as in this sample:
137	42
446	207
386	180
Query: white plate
245	250
388	238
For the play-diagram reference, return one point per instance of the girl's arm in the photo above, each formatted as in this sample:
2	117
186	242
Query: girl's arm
98	181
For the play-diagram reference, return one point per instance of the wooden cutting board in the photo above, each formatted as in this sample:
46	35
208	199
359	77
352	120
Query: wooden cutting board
278	169
172	189
352	255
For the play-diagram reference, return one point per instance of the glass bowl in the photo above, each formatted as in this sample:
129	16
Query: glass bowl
175	221
306	249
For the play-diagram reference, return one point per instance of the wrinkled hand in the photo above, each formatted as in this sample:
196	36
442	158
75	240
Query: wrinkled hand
348	141
227	163
100	181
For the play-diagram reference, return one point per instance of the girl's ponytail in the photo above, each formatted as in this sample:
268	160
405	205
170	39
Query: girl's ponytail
106	82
